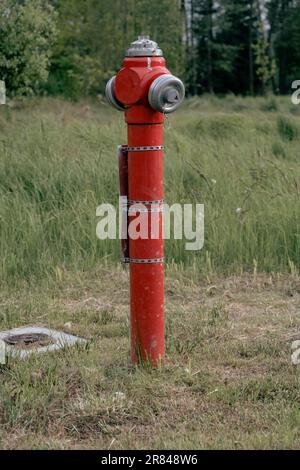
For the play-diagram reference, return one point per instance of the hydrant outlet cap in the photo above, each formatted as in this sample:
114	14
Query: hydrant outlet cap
144	47
166	93
110	95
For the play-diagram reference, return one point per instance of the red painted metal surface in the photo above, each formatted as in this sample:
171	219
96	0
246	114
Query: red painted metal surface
145	183
145	90
145	171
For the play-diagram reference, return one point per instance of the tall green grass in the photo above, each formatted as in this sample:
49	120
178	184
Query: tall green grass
240	157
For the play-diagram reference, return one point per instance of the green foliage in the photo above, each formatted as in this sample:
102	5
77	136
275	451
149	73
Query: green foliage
242	46
237	46
93	40
266	67
27	32
224	36
284	19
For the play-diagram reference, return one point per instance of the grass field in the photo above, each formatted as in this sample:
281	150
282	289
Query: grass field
58	163
232	309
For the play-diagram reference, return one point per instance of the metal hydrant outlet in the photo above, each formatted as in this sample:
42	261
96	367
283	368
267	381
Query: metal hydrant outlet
145	90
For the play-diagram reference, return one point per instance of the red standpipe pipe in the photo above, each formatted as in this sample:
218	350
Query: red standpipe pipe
145	171
145	90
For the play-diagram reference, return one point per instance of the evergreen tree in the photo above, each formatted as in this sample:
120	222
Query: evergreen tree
226	41
239	31
284	35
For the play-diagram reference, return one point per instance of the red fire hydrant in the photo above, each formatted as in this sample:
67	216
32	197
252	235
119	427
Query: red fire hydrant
145	90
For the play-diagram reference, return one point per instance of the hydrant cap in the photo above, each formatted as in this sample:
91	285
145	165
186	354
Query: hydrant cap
110	95
166	93
144	47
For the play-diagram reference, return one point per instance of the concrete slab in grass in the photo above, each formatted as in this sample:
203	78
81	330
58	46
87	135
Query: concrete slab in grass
22	342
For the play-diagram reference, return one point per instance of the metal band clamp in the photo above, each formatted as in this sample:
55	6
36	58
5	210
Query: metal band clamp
132	210
145	203
143	260
145	148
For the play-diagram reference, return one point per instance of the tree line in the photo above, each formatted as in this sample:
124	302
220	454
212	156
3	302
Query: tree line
71	47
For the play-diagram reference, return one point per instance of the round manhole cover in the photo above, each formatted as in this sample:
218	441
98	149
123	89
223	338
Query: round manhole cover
29	340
